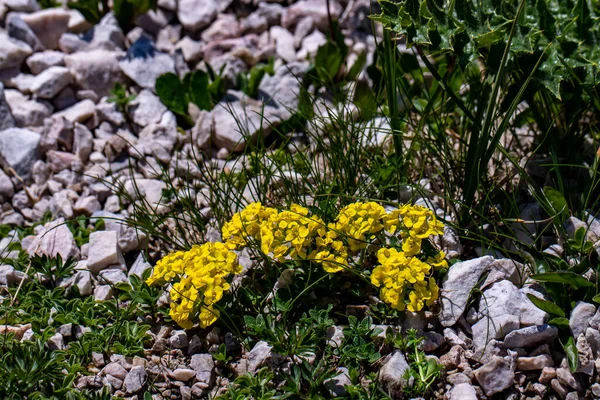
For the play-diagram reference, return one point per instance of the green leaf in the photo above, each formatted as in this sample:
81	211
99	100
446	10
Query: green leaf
197	89
357	67
328	61
559	322
172	93
389	8
566	277
596	298
572	355
546	305
147	396
558	202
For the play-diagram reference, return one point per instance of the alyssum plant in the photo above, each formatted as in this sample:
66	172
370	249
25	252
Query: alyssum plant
404	270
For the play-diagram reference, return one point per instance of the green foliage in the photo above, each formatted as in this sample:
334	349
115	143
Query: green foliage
125	10
425	371
204	89
249	83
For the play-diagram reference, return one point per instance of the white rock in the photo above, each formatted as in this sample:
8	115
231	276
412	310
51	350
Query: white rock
146	108
87	205
48	25
392	372
39	62
462	391
103	292
19	148
282	89
77	22
55	238
178	339
315	9
96	70
580	318
56	342
104	250
9	275
112	276
204	366
191	49
115	369
337	384
47	84
22	5
495	376
139	266
457	285
12	52
143	63
531	336
79	112
82	142
129	238
183	374
106	35
83	281
150	190
284	43
258	356
311	44
27	112
6	118
158	141
196	14
135	380
19	30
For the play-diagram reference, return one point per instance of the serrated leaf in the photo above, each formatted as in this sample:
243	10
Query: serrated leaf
389	8
566	277
546	305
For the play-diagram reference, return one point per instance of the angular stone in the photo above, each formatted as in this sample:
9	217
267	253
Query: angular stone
457	286
204	366
392	372
96	70
112	276
196	14
143	63
580	317
115	369
39	62
337	384
534	363
48	25
19	149
315	9
258	356
531	336
6	118
495	376
50	82
462	391
79	112
19	30
104	250
183	374
135	380
55	238
12	52
146	108
284	43
27	112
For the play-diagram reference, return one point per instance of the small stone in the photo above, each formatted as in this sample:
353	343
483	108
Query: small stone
135	380
19	30
96	70
580	318
534	363
204	366
337	384
284	41
19	149
80	112
548	373
115	369
27	112
559	388
87	205
531	336
392	372
55	238
112	276
103	292
178	339
183	374
462	391
565	377
143	63
196	14
48	25
585	356
495	376
146	108
258	356
39	62
12	52
56	342
104	250
49	83
6	118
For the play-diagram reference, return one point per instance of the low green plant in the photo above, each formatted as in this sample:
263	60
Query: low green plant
249	83
424	371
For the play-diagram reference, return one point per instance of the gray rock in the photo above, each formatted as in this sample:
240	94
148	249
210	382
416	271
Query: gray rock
196	14
129	238
311	44
495	376
258	356
79	112
104	250
114	369
48	25
83	281
50	82
580	317
87	205
183	374
7	189
284	43
143	63
585	355
22	5
82	142
505	269
56	342
392	372
225	27
592	336
106	35
335	335
139	266
315	9
96	70
146	108
12	52
9	275
158	141
178	339
534	363
103	292
54	238
39	62
281	90
19	148
6	118
566	378
135	380
462	391
457	286
19	30
204	366
150	190
531	336
191	49
26	112
337	384
57	132
112	276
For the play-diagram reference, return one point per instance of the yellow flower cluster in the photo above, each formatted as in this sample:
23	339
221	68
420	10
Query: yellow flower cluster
199	278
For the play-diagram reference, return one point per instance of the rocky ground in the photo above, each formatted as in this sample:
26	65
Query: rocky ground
64	147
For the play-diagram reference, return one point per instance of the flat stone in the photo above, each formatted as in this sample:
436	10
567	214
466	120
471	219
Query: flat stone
531	336
196	14
534	363
39	62
79	112
204	366
50	82
96	70
495	376
183	374
143	63
580	318
135	380
456	287
392	372
115	369
48	25
104	250
112	276
19	149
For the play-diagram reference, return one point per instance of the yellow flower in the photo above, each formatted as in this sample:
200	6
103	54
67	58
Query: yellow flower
439	261
359	222
246	225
